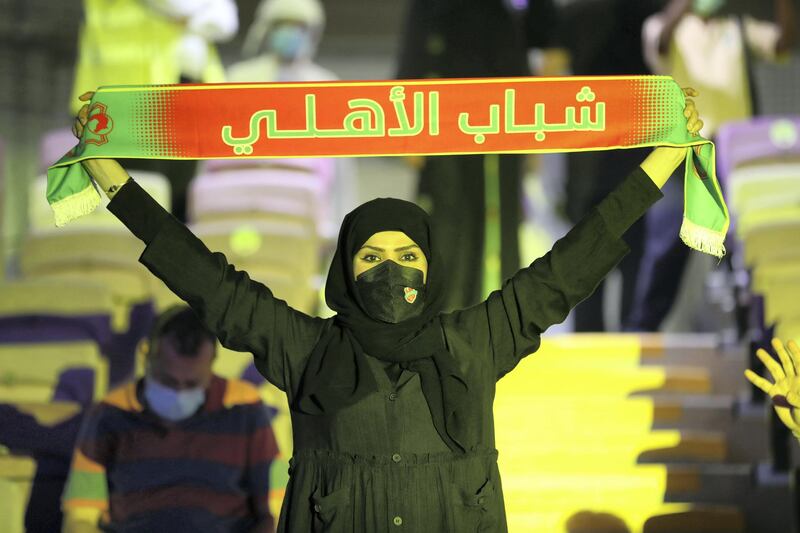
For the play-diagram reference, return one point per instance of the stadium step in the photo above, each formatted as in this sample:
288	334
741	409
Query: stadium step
709	483
710	412
543	380
667	518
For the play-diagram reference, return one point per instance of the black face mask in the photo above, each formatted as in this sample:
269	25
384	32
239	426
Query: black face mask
392	293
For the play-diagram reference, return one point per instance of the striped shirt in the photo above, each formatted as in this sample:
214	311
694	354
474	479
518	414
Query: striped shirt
207	473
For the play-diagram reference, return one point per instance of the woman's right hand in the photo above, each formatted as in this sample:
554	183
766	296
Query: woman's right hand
83	114
107	173
663	160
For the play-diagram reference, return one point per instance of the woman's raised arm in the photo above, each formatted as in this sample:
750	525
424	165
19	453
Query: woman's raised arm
542	294
243	313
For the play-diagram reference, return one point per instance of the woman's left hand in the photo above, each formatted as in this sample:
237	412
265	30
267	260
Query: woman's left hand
693	122
785	392
663	161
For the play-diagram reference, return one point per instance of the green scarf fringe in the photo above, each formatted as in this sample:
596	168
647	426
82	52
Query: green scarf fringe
703	239
77	205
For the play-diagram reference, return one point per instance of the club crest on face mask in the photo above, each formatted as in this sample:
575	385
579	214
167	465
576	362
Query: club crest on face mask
392	293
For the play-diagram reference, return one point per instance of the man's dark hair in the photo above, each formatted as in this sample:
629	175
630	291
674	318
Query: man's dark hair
182	327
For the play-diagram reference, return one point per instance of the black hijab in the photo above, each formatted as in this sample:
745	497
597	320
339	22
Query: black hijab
338	374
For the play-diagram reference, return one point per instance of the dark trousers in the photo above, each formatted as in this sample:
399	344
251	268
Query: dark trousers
452	189
663	262
591	176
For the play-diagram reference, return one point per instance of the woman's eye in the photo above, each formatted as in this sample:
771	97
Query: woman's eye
371	258
409	257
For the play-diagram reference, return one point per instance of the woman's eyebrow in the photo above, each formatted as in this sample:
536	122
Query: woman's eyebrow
401	249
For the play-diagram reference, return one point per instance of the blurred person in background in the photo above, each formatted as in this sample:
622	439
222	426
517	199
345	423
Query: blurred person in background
177	450
144	42
700	44
51	445
280	46
281	43
612	47
467	194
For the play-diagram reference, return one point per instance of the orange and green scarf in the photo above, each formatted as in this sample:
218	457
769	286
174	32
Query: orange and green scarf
394	118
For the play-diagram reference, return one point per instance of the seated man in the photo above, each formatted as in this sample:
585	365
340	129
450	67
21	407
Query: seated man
178	450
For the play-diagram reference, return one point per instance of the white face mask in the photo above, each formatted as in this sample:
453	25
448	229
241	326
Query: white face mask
171	404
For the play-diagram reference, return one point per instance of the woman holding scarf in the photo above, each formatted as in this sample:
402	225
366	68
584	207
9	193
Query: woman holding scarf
391	399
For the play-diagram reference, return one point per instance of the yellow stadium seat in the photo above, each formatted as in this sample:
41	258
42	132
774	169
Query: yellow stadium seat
749	185
47	413
775	210
129	284
214	200
298	292
277	243
789	328
106	257
12	507
40	214
30	372
231	364
26	392
54	296
282	422
44	250
767	243
285	256
782	303
163	297
16	477
257	192
772	276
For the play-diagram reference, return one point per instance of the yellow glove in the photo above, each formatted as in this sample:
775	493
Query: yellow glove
785	392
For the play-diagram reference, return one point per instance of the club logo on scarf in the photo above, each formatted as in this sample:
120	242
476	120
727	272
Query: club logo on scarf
410	294
98	123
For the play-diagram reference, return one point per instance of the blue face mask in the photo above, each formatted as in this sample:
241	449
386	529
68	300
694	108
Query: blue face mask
289	41
171	404
706	8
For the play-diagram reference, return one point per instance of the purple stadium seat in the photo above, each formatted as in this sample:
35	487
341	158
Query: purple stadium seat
51	446
53	146
323	168
43	328
122	350
118	348
761	138
252	375
277	192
